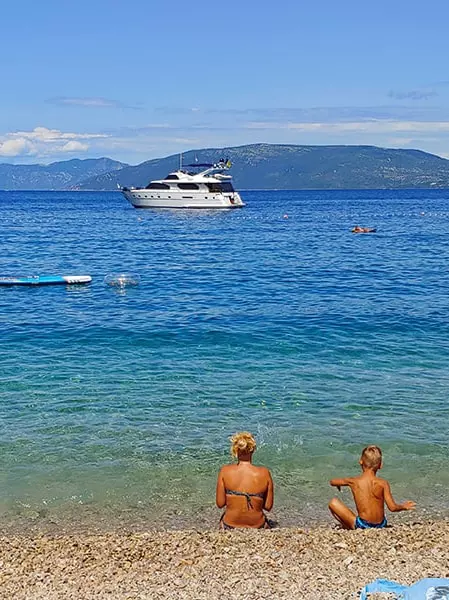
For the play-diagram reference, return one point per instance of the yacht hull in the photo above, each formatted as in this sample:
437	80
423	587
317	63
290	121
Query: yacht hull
142	198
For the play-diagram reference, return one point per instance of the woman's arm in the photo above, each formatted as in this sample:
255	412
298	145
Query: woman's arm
269	496
220	494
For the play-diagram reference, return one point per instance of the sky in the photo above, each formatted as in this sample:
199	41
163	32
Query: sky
143	79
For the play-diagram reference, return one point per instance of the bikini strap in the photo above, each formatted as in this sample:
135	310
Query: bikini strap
247	495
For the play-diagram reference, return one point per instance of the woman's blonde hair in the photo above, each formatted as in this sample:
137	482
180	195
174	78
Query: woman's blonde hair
242	443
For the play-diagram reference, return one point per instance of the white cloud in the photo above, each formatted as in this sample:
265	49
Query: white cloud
136	144
43	134
373	126
93	102
89	102
75	146
44	142
16	147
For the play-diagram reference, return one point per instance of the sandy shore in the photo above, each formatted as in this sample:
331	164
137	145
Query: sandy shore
320	563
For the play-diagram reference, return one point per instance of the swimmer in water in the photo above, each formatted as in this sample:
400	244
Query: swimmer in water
358	229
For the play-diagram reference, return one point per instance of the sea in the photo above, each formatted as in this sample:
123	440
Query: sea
117	403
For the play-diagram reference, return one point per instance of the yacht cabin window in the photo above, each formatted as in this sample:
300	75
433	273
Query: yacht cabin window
188	186
157	186
220	187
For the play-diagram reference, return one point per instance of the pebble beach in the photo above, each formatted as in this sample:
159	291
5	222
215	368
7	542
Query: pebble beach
321	563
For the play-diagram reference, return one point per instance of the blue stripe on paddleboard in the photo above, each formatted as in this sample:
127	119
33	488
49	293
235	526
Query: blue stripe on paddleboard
40	280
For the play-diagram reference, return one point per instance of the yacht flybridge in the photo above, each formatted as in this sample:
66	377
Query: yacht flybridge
208	188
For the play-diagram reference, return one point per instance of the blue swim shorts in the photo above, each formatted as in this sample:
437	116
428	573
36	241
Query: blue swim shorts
362	524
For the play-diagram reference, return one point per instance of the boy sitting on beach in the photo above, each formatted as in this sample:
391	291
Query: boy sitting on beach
370	494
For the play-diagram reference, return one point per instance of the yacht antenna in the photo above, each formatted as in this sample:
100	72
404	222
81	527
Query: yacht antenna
180	162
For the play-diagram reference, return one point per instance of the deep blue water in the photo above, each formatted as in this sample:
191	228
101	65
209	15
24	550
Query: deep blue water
116	405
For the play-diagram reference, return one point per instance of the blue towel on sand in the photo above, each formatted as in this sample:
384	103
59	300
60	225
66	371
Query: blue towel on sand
382	585
426	589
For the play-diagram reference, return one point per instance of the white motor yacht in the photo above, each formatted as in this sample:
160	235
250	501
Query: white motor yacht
208	188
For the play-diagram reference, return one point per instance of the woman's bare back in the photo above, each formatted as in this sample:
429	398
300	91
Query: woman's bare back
246	490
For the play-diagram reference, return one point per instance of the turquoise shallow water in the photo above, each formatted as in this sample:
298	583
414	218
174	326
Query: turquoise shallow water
116	406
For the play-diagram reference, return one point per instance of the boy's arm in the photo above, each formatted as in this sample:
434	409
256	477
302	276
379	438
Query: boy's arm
390	502
338	483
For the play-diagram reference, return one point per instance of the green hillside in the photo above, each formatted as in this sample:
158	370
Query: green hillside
269	166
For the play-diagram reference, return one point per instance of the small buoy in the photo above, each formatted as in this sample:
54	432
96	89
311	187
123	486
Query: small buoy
285	217
122	280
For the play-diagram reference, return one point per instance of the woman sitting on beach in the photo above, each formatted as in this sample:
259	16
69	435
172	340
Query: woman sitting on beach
244	489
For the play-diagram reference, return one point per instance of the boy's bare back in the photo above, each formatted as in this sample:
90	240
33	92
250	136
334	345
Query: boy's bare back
370	493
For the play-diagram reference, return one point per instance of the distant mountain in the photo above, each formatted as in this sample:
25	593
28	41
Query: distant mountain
270	166
257	166
56	176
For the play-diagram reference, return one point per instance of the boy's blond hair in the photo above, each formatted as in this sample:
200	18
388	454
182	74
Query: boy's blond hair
371	457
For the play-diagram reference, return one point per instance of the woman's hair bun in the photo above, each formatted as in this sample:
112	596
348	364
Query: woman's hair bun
242	443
